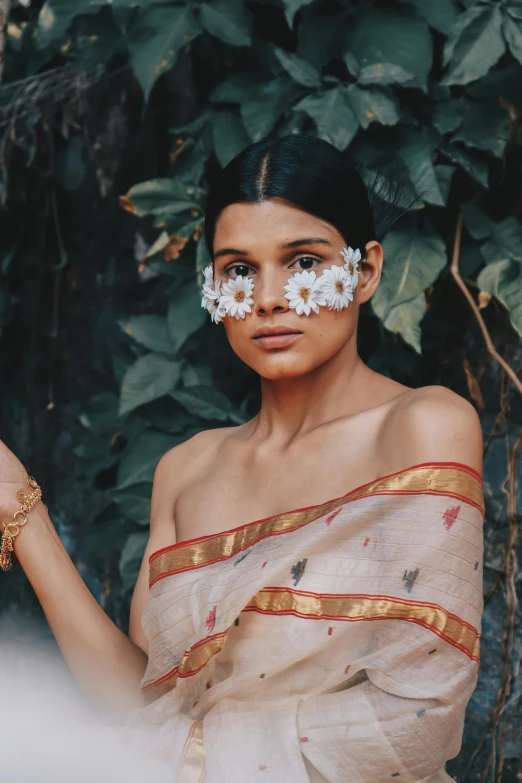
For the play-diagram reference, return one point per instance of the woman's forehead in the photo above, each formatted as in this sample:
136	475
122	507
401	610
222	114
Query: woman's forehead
273	222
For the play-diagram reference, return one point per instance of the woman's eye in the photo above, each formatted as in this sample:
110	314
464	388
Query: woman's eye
239	270
306	262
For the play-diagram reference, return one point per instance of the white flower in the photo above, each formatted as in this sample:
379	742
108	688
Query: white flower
352	258
236	296
209	275
304	293
211	301
336	286
211	293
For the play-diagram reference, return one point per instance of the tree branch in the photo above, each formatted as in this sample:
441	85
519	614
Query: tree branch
454	268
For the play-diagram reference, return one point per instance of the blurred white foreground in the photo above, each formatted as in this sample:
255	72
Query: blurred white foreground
48	732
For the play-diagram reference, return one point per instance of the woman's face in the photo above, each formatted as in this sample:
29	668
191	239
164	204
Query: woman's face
269	242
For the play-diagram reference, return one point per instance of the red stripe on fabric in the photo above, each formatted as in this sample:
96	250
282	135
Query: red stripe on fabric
189	541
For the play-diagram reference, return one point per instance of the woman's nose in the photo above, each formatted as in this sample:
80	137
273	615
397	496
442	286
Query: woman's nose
269	294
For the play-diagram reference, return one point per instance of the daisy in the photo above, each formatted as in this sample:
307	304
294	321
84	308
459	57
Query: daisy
211	293
209	274
304	293
211	301
236	296
352	258
336	286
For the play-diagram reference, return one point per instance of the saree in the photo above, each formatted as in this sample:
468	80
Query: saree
338	642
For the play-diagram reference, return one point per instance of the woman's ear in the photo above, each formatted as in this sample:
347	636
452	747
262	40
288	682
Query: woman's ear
370	271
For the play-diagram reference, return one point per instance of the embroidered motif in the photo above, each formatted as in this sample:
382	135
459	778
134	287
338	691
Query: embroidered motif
330	629
450	515
409	579
366	540
262	767
304	739
476	565
346	670
264	564
396	774
209	685
236	621
262	676
298	570
331	517
240	559
432	651
421	714
211	619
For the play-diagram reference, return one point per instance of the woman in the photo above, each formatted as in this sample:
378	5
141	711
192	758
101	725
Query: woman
336	641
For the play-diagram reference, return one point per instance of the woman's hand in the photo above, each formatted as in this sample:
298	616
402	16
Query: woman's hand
13	476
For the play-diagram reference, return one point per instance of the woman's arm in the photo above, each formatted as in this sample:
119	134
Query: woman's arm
107	665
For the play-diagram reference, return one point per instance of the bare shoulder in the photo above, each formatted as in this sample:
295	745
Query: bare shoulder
181	462
433	424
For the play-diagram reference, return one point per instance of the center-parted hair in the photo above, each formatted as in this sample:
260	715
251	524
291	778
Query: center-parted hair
311	174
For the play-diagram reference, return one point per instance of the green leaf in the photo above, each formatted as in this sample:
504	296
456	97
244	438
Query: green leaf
134	502
390	47
478	48
54	19
374	104
513	34
322	34
207	403
485	126
405	319
101	413
227	20
160	197
444	174
141	457
333	115
228	135
261	110
292	7
505	241
447	115
131	558
440	14
477	223
151	376
236	88
413	261
150	331
472	162
301	71
185	314
503	279
415	151
155	38
457	28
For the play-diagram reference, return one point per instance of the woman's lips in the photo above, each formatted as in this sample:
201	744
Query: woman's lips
277	340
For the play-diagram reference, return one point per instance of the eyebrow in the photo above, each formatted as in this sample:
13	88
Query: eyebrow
229	251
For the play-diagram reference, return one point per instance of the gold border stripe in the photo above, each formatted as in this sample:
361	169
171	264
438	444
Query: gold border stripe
451	480
191	767
347	608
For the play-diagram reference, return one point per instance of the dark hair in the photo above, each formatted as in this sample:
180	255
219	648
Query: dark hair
315	176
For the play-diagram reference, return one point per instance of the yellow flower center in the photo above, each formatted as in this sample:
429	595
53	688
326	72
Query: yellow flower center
304	293
339	286
351	268
239	296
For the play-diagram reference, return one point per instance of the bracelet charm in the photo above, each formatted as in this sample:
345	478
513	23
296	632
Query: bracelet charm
12	529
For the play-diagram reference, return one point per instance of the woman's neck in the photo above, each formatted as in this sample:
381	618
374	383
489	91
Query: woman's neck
340	387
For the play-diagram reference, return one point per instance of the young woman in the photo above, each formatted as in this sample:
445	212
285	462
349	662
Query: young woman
310	599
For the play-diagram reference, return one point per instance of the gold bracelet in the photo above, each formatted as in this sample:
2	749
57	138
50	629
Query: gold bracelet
12	529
